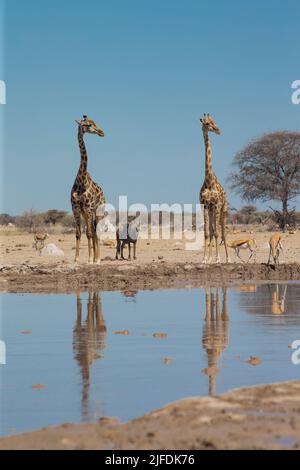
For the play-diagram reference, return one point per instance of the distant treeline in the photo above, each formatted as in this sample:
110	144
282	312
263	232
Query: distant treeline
32	220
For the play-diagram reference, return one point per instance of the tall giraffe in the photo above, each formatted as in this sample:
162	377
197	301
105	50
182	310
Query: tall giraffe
213	197
86	195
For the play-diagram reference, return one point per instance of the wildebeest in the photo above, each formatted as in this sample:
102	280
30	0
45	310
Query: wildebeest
127	234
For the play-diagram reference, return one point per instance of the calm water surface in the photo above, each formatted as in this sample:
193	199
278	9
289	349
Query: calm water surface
68	344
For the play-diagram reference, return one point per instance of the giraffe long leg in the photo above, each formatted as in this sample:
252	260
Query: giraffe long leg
89	234
223	227
77	217
97	253
206	234
211	233
217	220
269	256
94	247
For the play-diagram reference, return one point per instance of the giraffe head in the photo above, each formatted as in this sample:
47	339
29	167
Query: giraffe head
89	126
209	125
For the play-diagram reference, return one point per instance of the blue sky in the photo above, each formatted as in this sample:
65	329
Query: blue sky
145	72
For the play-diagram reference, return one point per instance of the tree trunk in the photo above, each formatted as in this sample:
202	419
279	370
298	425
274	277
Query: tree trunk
284	214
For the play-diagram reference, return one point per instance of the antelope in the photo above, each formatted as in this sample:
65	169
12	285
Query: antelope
244	244
275	248
39	240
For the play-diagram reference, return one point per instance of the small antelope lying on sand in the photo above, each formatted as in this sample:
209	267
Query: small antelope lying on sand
39	240
244	244
275	248
127	235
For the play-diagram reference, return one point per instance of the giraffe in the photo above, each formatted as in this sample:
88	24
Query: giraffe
89	341
213	197
215	334
86	196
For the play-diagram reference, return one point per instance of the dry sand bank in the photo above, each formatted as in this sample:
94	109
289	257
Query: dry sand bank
263	417
62	277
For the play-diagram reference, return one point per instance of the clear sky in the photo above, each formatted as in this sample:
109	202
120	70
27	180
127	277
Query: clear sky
144	71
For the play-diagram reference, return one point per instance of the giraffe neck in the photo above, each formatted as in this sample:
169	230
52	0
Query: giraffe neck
83	154
208	162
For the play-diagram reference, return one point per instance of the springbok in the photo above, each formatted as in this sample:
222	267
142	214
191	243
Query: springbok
39	240
244	244
275	248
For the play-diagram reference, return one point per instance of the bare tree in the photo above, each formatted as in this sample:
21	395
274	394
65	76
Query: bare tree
268	169
30	220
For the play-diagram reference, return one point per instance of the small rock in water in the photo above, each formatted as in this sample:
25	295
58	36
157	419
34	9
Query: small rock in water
160	334
39	386
168	360
254	360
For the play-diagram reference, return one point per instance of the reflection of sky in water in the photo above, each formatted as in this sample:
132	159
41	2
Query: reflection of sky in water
89	371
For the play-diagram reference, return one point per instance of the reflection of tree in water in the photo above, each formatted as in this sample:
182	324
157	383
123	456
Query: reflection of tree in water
89	339
215	332
276	299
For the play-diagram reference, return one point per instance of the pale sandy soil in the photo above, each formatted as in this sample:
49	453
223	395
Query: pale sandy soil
264	417
17	248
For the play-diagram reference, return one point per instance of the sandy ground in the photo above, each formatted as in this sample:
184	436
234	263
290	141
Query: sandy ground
17	249
264	417
160	263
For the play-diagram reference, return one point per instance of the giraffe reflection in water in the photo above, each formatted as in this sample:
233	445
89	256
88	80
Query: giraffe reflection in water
89	340
215	332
